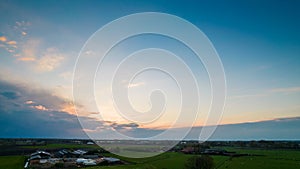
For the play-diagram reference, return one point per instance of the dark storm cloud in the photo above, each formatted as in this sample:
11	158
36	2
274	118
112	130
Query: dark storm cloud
10	95
20	93
18	119
128	126
29	112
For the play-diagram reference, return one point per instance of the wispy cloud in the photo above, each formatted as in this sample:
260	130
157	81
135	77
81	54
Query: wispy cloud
285	90
3	39
43	60
21	27
29	102
40	107
268	92
66	75
131	85
30	49
89	52
13	36
68	107
12	42
247	96
26	59
8	45
50	60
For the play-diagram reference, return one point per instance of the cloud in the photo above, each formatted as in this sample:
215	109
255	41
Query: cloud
89	52
21	27
66	75
275	129
12	42
68	107
22	24
3	39
17	31
51	59
10	95
30	48
20	116
286	90
43	61
40	107
265	93
29	102
9	46
41	114
26	59
247	96
10	50
129	126
131	85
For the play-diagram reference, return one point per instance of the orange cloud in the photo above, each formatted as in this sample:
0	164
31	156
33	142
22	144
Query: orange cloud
3	39
26	59
40	107
69	108
11	42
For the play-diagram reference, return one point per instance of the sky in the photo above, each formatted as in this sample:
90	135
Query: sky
258	43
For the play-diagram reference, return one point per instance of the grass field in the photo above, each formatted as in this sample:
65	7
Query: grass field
269	159
266	159
12	162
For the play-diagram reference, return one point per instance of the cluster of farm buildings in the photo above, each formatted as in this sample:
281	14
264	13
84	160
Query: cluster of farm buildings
68	159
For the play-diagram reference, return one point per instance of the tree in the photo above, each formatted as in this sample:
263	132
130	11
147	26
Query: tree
200	162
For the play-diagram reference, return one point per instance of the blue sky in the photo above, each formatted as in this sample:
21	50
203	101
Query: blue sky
258	43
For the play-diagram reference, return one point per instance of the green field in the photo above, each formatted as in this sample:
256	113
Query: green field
270	159
266	159
12	162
